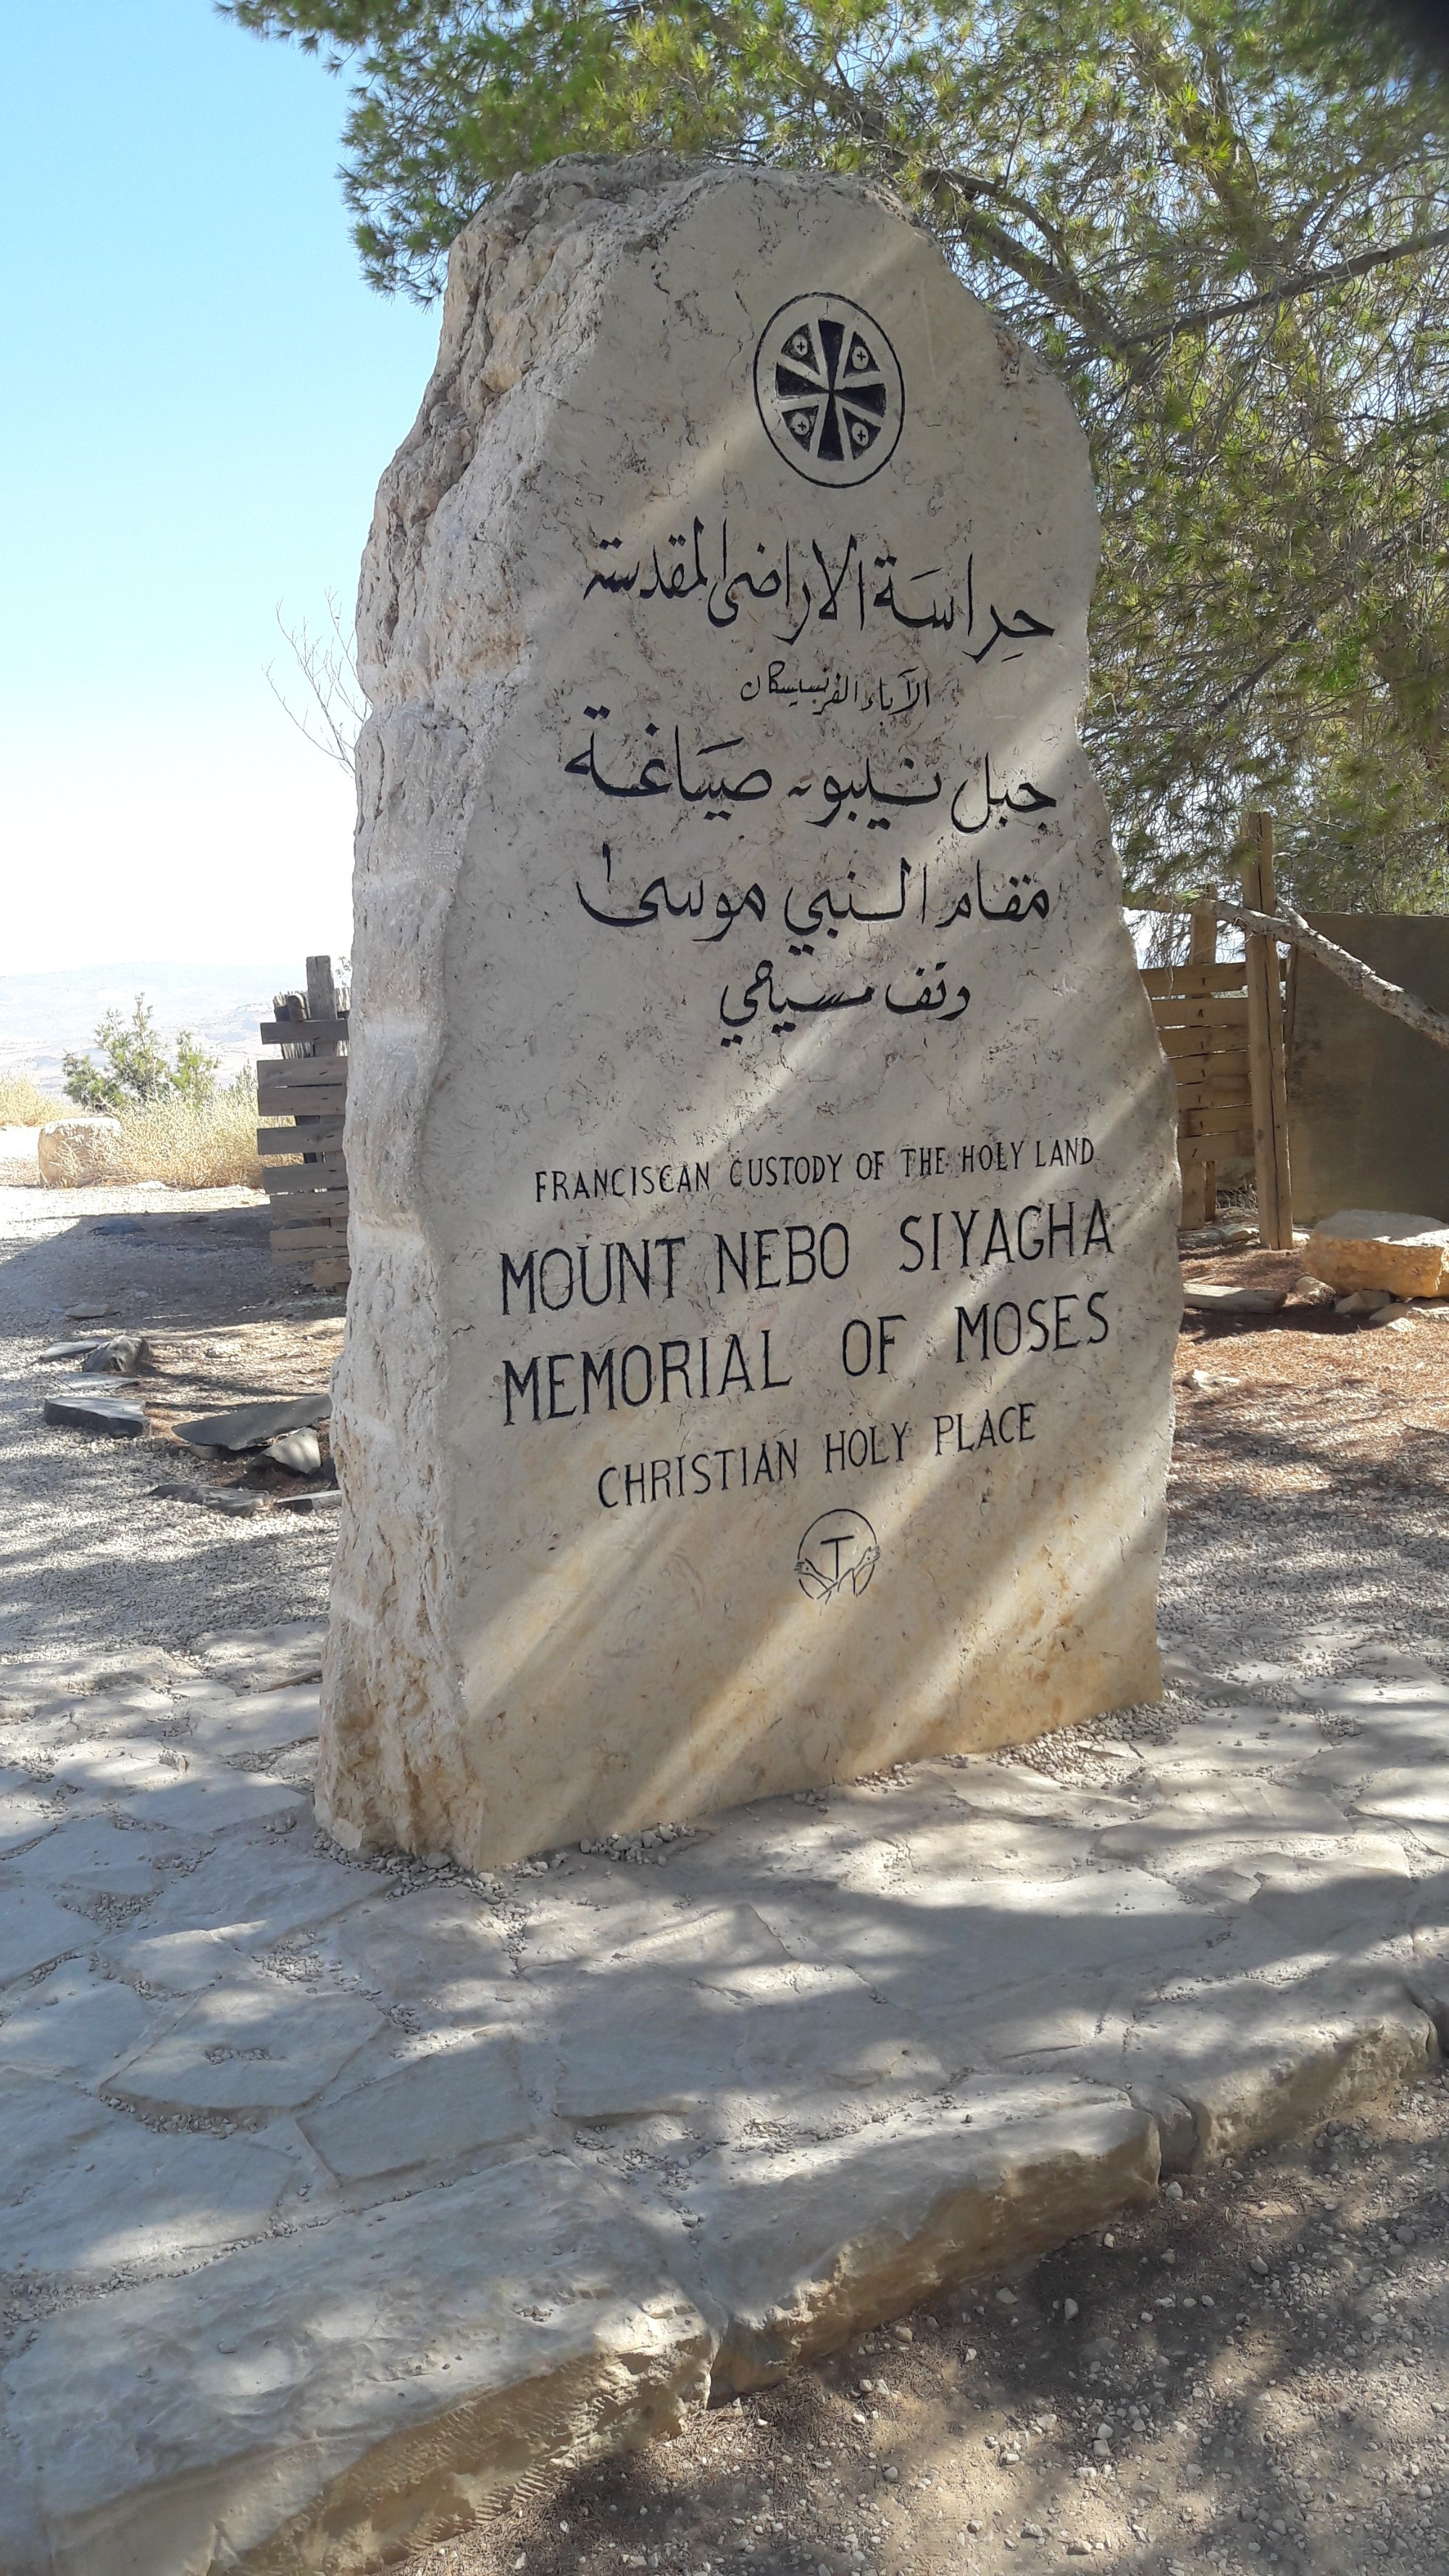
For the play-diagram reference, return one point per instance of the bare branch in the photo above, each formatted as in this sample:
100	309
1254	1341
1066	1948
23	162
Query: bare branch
1290	927
1304	281
329	673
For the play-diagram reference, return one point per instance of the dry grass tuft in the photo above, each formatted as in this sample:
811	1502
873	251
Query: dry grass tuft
24	1104
189	1148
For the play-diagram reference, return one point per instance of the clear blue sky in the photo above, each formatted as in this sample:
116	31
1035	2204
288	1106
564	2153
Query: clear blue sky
200	396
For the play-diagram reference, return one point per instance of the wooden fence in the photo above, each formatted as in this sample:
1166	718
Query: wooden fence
1221	1027
308	1084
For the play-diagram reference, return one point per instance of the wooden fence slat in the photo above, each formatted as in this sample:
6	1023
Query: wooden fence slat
323	1132
301	1073
1216	1148
296	1103
311	1100
1214	1095
1201	1011
1208	1041
1193	978
1217	1119
1225	976
307	1186
310	1191
303	1032
324	1166
301	1241
1265	1046
1229	1065
1199	1179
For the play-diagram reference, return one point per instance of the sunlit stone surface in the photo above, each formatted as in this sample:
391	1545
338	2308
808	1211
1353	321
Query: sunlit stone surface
760	1155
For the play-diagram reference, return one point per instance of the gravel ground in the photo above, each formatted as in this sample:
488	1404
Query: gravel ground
88	1559
1254	2373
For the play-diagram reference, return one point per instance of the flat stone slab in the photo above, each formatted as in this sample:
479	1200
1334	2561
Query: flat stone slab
1205	1297
252	1426
77	1409
337	2195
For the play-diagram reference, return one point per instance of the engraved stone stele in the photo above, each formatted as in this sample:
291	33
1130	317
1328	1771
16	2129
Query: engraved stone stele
761	1160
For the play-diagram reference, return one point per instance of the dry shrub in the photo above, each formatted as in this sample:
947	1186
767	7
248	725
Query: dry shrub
212	1147
24	1104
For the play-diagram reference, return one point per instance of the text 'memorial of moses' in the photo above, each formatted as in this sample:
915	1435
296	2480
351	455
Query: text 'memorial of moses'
761	1161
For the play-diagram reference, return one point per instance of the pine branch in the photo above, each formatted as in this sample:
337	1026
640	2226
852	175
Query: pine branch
1304	281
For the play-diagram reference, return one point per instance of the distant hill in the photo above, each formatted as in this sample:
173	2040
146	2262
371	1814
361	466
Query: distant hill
45	1017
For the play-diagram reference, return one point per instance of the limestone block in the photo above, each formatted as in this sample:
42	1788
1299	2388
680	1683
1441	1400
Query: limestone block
936	1946
172	1963
72	1672
761	1162
432	2111
70	2023
163	2194
171	1785
852	2230
24	1815
35	1932
401	2372
438	1950
806	2036
72	1151
259	1889
254	2045
1260	2062
227	1723
264	1659
1376	1248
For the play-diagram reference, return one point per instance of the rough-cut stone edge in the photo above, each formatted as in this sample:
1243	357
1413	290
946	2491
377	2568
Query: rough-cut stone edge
1387	1248
433	2480
1346	2056
1017	2192
1021	2189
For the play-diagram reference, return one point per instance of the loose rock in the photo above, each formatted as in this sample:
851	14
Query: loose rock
1380	1248
71	1151
300	1452
78	1410
253	1426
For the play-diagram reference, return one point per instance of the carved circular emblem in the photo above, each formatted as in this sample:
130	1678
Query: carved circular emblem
829	389
838	1553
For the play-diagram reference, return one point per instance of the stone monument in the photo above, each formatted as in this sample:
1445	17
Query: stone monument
761	1161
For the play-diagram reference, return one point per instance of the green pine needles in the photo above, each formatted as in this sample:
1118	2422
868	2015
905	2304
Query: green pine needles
1226	227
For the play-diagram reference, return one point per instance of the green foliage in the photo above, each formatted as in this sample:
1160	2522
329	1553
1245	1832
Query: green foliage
1224	225
135	1071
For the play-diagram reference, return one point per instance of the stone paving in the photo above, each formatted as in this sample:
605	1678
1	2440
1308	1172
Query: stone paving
338	2195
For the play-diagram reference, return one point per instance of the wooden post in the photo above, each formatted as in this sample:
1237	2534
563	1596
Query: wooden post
1266	1074
1200	1180
1198	1183
322	996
